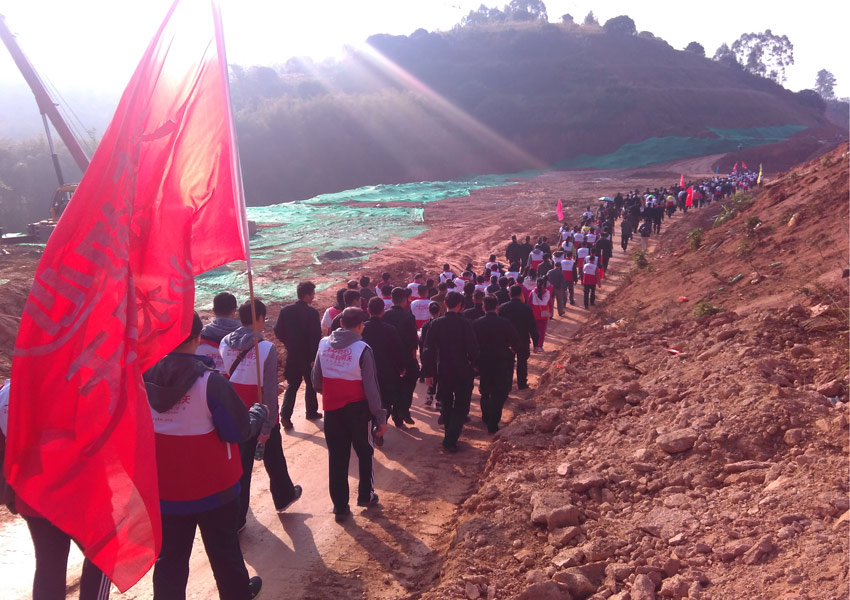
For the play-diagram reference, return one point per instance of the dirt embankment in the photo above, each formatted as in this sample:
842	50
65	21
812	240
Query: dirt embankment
672	455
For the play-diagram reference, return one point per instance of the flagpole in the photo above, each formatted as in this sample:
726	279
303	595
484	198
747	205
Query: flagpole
238	190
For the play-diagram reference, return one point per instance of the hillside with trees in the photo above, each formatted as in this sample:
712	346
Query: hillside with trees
504	91
487	98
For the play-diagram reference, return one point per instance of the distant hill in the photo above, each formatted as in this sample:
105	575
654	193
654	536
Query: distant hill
486	100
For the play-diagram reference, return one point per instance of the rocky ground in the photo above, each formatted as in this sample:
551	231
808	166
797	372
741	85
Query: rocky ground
692	441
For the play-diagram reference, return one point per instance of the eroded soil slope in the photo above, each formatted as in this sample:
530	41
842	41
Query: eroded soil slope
674	455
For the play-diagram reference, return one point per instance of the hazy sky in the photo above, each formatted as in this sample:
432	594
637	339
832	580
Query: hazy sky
96	44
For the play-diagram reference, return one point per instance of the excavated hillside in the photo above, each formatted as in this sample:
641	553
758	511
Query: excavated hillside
692	442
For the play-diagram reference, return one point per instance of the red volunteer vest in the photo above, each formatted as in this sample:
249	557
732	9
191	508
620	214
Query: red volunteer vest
244	378
419	309
540	306
192	461
589	274
209	349
342	381
567	267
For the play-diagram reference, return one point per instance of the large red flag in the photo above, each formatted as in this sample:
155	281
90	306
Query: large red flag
559	210
682	181
689	200
743	165
735	168
114	292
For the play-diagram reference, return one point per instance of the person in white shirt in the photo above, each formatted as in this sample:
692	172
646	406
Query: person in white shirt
418	281
447	274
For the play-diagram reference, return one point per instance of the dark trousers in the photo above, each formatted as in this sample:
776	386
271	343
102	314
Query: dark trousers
571	291
407	385
51	563
347	428
293	377
389	388
522	366
274	461
455	394
560	300
221	542
606	258
589	295
495	385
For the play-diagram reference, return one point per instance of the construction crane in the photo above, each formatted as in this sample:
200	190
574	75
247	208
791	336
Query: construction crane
38	232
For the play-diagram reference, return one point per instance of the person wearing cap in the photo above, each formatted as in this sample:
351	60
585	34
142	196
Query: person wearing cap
433	312
344	374
400	317
449	356
387	349
499	342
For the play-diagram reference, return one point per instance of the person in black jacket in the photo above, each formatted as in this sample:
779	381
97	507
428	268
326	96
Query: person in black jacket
300	329
403	320
450	354
604	248
525	249
503	294
477	311
513	254
499	342
520	314
434	311
386	345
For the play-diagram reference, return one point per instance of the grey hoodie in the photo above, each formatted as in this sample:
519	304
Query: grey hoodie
244	338
342	338
219	328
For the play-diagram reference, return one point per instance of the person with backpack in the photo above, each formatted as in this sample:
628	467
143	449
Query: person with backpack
239	355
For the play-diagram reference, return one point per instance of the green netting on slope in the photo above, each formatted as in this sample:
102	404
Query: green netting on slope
660	150
295	237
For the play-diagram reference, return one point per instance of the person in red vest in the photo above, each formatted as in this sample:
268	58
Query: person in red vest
198	418
240	360
344	374
589	281
226	321
540	302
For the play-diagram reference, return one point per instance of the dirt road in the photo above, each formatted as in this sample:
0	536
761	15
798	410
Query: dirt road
395	550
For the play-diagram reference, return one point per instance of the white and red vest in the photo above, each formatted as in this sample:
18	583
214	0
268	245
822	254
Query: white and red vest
589	272
511	275
342	381
535	259
209	349
388	302
578	238
419	309
244	378
567	267
192	461
414	288
540	306
446	276
590	238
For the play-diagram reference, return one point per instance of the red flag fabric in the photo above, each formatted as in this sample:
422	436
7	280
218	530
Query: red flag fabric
559	210
743	165
682	181
689	201
735	168
114	292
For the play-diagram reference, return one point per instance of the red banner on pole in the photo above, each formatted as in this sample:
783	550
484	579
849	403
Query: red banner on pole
682	181
689	201
114	292
559	210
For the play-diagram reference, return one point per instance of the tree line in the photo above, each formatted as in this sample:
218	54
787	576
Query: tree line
503	91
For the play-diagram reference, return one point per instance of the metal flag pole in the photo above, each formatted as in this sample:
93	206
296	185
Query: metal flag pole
238	190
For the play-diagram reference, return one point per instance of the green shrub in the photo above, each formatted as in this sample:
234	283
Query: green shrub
639	259
703	309
737	203
695	238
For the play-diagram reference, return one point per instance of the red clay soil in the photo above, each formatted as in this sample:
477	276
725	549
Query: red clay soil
585	453
674	455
